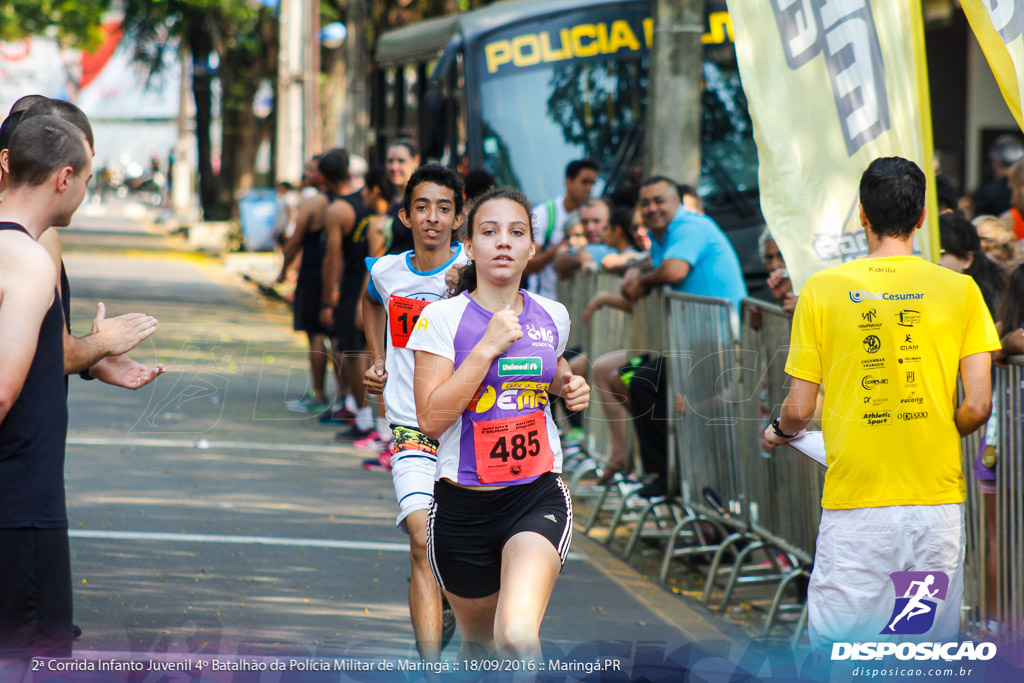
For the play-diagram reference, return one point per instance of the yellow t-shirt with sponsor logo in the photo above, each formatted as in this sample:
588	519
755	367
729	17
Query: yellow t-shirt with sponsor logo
885	337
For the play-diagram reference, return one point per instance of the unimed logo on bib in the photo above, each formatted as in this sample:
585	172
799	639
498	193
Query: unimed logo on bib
917	599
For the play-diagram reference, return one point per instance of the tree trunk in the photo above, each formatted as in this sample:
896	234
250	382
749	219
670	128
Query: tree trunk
199	45
241	73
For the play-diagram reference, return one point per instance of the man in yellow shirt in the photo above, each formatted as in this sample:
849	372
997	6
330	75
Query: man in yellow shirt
886	336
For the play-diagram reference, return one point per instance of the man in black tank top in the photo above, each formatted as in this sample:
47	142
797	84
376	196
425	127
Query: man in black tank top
401	235
310	238
100	354
50	164
344	273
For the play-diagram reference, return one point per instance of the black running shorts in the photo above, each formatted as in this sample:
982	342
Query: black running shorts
35	598
467	529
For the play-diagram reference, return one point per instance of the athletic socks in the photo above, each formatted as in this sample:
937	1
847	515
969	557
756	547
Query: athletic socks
364	418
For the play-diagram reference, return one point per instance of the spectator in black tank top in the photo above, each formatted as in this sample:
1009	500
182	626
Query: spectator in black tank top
403	158
50	164
308	239
344	272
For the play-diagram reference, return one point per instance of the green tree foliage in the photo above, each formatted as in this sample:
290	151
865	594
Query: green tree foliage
76	22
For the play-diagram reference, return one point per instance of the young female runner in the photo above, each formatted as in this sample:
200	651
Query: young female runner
487	360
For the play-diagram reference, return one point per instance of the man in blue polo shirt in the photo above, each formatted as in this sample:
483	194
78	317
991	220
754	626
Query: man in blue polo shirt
689	252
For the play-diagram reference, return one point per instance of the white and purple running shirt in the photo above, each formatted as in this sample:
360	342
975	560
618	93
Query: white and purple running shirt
506	435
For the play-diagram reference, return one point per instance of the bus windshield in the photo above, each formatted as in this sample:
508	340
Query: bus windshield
537	120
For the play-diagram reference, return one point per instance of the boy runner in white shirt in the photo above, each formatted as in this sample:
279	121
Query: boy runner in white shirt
399	287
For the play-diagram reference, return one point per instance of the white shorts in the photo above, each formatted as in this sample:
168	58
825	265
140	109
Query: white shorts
851	597
413	462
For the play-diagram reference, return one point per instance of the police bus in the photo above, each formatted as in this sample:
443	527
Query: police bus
522	87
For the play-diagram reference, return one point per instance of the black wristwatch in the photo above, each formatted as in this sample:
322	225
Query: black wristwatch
84	374
778	431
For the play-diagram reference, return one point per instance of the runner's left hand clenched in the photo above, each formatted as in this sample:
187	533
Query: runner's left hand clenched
575	391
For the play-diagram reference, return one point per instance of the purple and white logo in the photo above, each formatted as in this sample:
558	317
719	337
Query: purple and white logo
917	598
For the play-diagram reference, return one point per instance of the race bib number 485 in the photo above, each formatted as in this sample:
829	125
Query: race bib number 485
512	448
403	314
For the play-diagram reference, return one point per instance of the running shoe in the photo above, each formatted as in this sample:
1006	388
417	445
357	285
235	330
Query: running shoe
353	432
307	404
378	462
371	443
340	416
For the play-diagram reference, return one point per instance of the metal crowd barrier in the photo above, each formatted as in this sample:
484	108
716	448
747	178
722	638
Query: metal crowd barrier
729	371
1009	589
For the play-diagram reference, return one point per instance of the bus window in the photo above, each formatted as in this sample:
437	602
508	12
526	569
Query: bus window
535	121
411	96
390	120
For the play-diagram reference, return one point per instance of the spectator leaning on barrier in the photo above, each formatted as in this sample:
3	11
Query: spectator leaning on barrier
994	197
997	242
595	214
886	335
549	221
962	253
691	254
778	276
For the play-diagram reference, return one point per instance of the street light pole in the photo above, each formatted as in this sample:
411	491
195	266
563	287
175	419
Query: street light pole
672	138
311	77
182	179
357	106
290	134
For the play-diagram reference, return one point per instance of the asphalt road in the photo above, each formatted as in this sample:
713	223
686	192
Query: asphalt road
205	518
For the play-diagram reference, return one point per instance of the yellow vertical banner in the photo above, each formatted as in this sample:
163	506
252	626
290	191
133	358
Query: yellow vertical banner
831	86
999	26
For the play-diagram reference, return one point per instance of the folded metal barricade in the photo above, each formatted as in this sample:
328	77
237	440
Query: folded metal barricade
1009	588
574	297
652	517
711	431
704	371
606	332
782	486
976	585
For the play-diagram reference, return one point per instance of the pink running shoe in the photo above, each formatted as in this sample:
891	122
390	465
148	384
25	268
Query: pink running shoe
370	442
380	462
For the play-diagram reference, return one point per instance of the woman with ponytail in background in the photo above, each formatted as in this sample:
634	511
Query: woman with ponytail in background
487	360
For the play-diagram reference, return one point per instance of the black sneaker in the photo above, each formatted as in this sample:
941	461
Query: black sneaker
76	631
657	488
353	433
447	623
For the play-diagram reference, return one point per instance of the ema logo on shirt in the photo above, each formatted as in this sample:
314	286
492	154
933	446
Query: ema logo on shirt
917	594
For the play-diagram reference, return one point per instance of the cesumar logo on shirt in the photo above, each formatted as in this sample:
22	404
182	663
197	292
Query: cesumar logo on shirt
859	295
